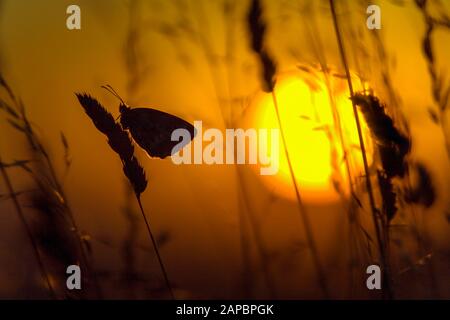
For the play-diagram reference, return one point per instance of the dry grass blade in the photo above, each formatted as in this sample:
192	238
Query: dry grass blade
256	25
257	29
6	107
7	88
381	245
13	195
388	195
381	125
393	145
15	163
65	143
269	70
439	87
43	172
55	236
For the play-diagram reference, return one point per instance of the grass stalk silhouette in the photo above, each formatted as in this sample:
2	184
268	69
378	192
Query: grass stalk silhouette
229	11
155	246
245	210
301	207
375	218
16	115
78	235
18	118
257	29
439	86
27	229
120	142
314	36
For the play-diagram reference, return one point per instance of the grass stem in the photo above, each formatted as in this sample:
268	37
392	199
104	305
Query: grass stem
302	209
155	247
27	228
381	245
57	185
245	211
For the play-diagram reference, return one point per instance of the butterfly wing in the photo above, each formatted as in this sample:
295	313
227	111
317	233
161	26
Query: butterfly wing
152	130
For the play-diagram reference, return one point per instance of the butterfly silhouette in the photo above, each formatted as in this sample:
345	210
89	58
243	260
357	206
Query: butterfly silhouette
152	129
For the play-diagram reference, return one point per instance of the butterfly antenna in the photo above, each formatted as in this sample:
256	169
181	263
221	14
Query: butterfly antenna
113	92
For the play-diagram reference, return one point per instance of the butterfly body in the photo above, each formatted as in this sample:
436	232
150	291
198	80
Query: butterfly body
152	129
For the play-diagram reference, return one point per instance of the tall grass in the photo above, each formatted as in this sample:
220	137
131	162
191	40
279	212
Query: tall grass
257	28
59	239
335	134
14	197
440	86
136	67
228	112
229	10
404	183
375	215
48	195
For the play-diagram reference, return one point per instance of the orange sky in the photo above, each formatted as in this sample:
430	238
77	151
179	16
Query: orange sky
45	64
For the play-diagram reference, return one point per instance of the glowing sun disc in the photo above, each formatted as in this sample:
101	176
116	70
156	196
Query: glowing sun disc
313	137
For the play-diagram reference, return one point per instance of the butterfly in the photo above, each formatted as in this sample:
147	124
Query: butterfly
152	129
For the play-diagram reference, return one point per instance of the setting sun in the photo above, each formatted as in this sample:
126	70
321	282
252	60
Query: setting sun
312	138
